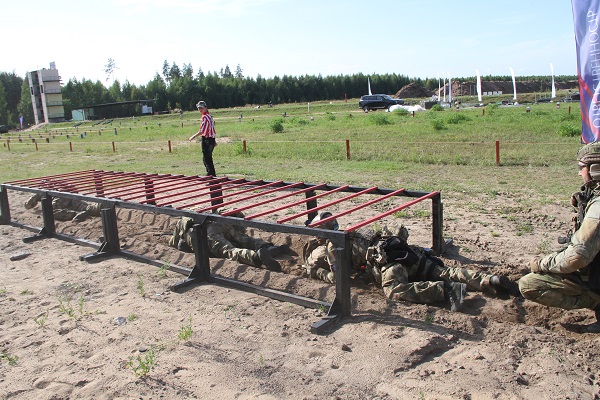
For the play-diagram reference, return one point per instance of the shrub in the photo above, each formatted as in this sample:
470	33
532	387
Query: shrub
329	116
457	118
569	130
437	124
277	125
379	119
401	112
437	107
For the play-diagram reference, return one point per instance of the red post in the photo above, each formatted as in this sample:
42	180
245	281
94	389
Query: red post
36	146
114	149
169	142
244	146
497	152
70	146
347	149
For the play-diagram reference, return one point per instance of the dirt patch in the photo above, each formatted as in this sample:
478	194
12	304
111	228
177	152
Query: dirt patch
59	338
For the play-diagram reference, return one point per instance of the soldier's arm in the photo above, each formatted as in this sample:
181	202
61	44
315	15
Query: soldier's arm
584	246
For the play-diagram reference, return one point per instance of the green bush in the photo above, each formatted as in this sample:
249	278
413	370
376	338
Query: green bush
329	116
437	124
401	112
457	118
569	130
277	125
379	119
436	107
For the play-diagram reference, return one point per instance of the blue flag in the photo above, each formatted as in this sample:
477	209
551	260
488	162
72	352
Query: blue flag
586	18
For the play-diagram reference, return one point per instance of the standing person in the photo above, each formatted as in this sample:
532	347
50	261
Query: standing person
207	131
570	279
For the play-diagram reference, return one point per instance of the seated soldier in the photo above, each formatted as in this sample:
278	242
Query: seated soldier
570	278
67	209
230	242
408	273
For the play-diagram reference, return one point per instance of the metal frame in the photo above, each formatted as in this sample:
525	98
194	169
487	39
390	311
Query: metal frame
159	193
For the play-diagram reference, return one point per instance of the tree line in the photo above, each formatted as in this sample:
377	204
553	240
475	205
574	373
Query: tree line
181	88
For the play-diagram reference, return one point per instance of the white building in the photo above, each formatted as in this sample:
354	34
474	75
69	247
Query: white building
46	95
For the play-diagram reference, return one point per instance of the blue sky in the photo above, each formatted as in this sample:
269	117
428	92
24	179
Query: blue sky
415	38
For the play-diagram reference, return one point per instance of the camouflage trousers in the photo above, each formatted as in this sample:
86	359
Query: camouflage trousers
317	264
236	246
556	290
65	209
224	241
423	282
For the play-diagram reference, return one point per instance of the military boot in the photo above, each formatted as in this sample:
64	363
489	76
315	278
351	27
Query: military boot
502	283
595	327
455	292
267	260
275	251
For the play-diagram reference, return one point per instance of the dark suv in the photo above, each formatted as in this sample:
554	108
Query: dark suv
378	101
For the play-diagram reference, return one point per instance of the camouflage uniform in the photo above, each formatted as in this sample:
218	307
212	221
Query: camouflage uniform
562	279
224	241
420	279
67	209
319	259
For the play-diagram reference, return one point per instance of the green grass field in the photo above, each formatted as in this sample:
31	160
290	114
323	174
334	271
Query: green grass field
450	150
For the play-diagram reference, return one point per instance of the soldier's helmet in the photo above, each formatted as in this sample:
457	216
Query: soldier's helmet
590	155
332	225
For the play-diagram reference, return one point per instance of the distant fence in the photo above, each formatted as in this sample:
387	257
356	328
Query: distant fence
438	152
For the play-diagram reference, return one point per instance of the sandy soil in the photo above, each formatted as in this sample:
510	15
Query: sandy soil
59	339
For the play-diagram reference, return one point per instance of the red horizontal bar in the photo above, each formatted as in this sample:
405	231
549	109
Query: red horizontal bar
214	207
252	196
331	203
201	192
260	214
169	187
166	180
385	214
272	200
48	177
358	207
245	183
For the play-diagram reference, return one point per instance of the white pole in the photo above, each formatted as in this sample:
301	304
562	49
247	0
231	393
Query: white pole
514	83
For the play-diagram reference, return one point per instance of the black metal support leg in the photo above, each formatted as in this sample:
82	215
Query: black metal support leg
341	306
4	206
201	271
311	204
49	228
110	246
437	215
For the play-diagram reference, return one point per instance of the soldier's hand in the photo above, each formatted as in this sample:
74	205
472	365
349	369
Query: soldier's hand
534	265
577	198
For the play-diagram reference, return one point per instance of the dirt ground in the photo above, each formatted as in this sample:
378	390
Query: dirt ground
59	336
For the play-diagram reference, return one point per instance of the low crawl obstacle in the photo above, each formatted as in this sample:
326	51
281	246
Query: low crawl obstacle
197	197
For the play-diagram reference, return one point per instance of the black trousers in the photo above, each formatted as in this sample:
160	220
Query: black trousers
208	145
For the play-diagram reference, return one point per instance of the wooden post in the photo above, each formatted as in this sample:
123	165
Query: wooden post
36	146
169	143
482	112
347	149
497	152
244	146
8	143
71	146
569	109
114	149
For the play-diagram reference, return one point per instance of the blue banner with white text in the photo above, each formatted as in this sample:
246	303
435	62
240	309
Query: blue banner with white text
586	18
